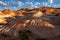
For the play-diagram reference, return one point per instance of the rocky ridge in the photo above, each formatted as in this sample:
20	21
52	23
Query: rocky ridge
44	22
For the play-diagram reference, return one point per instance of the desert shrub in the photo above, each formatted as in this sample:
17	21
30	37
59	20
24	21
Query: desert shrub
40	39
4	35
24	35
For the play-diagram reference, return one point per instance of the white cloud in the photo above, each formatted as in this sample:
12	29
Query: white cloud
18	3
37	3
14	7
51	1
2	3
45	4
56	5
28	2
5	8
36	6
32	5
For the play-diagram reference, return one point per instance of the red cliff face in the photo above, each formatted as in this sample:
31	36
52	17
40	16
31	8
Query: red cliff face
48	10
7	11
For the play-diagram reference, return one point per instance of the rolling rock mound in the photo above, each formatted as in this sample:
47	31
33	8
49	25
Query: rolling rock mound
42	22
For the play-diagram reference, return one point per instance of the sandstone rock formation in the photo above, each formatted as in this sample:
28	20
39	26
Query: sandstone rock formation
43	22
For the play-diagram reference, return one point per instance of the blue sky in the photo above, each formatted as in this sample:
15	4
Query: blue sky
18	4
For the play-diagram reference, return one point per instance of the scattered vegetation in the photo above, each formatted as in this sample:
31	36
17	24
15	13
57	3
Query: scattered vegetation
24	35
4	35
40	39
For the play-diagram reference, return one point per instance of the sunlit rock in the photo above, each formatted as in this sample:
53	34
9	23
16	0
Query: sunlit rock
38	14
3	21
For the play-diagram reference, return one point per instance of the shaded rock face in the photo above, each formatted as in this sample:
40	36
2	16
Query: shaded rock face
37	20
7	11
